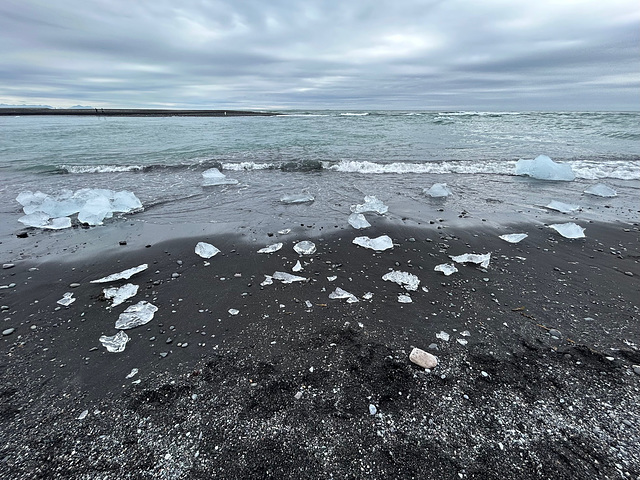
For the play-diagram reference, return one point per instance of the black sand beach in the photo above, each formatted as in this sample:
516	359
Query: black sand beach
536	380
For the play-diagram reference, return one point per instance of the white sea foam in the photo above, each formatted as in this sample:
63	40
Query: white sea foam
100	168
248	166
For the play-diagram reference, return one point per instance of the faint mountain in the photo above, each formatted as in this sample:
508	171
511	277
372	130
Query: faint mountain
4	105
81	107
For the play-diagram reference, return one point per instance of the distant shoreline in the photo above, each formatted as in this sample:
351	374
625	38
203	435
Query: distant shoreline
129	112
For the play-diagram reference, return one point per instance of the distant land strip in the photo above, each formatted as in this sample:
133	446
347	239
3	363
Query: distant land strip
128	112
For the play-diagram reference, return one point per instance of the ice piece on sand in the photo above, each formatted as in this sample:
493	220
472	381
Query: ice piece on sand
569	230
213	177
514	237
358	221
268	280
562	207
443	336
438	190
543	168
42	220
206	250
423	359
115	343
379	244
234	311
446	268
297	267
139	314
119	295
124	202
403	298
305	247
285	231
285	277
371	204
67	299
95	210
601	190
368	296
271	248
133	373
124	275
483	260
339	293
407	280
297	198
308	304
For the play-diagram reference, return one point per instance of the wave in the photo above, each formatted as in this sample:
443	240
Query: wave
99	168
478	114
348	114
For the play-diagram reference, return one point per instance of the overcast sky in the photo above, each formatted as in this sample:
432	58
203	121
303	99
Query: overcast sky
312	54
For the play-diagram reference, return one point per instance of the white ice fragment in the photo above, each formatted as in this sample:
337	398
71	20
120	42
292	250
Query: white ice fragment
403	298
288	278
124	202
213	176
461	341
379	244
95	210
368	296
133	373
562	207
119	295
466	333
268	280
514	237
297	267
443	336
285	231
543	168
601	190
35	219
339	293
568	230
483	260
372	409
353	299
124	275
371	204
271	248
297	198
423	359
234	311
136	315
115	343
67	299
332	278
305	247
358	221
438	190
308	303
407	280
446	268
206	250
83	415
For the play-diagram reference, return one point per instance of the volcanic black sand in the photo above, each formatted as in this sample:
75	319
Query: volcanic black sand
535	381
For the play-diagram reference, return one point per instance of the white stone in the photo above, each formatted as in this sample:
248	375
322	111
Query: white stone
423	359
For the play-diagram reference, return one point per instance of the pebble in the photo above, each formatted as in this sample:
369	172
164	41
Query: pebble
163	354
636	369
372	409
423	359
74	285
8	265
555	333
629	273
175	275
8	331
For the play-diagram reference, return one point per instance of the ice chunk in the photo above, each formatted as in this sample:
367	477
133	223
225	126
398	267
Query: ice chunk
305	247
115	343
403	298
297	198
339	293
124	202
268	280
124	275
285	277
271	248
423	359
562	207
308	304
543	168
358	221
95	210
446	268
297	267
514	237
371	204
234	311
368	296
206	250
119	295
569	230
42	220
438	190
29	198
139	314
372	409
601	190
482	260
407	280
132	373
285	231
379	244
67	299
213	177
443	336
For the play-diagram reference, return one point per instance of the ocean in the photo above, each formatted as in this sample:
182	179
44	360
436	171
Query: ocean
393	155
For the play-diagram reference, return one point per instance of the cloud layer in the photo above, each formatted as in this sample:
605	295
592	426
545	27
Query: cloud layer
408	54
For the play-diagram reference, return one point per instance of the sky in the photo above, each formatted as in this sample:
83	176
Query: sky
491	55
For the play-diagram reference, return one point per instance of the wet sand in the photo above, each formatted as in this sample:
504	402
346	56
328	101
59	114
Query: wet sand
536	379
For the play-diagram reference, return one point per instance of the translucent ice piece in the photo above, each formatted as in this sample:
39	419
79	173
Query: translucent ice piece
124	202
271	248
115	343
358	221
29	198
569	230
514	237
234	311
407	280
35	219
268	280
443	336
297	198
213	177
543	168
601	190
288	278
438	190
297	267
402	298
132	373
482	260
139	314
285	231
339	293
562	207
119	295
95	210
371	204
305	247
124	275
446	268
379	244
66	300
206	250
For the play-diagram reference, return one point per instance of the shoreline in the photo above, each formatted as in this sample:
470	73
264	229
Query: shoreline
128	112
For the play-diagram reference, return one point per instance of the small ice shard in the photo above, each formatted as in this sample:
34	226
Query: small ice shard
461	341
438	190
371	204
562	207
353	299
297	267
83	415
466	333
368	296
305	247
446	268
569	230
206	250
213	177
407	280
271	248
268	280
297	198
115	343
514	237
308	303
482	260
379	244
403	298
119	295
124	275
601	190
372	409
443	336
332	278
234	311
67	299
136	315
132	373
339	293
285	231
543	168
423	359
358	221
285	277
